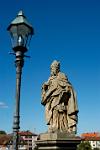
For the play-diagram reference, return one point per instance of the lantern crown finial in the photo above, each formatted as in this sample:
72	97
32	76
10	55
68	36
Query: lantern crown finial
20	19
21	32
20	13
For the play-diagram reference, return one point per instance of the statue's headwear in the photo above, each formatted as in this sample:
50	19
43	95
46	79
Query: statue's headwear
55	64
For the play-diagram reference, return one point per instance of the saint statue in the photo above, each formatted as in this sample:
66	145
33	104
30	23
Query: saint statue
59	99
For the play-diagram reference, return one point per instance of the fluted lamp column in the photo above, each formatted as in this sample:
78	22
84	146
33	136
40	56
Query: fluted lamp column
21	32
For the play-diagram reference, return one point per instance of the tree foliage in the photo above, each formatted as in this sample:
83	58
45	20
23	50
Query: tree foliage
2	132
84	146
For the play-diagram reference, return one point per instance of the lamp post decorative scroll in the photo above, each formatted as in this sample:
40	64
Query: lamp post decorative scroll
21	32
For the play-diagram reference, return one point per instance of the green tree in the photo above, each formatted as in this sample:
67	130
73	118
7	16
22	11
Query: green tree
2	132
84	146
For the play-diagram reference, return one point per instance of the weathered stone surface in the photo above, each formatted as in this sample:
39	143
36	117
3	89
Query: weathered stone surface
56	136
59	99
57	141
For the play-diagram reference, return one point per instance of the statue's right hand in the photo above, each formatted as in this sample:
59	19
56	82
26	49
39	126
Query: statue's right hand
45	87
43	102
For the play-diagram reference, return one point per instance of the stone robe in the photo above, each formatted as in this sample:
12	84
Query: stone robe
60	103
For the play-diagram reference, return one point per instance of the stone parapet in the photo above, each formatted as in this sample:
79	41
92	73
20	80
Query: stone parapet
57	141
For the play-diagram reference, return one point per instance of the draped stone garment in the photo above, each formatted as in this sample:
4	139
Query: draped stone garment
59	99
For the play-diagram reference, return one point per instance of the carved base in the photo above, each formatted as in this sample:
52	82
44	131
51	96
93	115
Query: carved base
57	141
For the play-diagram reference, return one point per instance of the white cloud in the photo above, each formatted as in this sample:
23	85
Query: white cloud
3	105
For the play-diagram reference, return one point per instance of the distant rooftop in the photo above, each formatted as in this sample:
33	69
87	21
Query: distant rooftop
94	136
7	139
26	133
4	139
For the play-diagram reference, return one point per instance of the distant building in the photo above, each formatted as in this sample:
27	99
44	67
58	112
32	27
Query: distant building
26	141
29	138
4	140
7	140
93	138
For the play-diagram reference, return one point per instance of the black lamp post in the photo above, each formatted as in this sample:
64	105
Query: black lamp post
21	32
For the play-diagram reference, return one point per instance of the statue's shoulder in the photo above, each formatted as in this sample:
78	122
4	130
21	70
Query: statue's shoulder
62	76
62	79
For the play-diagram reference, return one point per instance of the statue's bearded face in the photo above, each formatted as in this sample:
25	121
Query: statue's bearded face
54	71
55	68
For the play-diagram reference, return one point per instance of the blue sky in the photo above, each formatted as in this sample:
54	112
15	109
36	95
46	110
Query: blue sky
68	31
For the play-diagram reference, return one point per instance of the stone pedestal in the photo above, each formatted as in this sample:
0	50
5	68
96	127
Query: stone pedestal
57	141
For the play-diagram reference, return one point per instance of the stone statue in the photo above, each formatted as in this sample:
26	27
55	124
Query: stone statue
59	99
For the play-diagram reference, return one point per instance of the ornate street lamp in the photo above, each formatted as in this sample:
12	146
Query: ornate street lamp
21	32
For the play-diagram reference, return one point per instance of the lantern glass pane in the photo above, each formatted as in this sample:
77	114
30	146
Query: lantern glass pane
14	40
28	39
20	35
13	30
23	30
